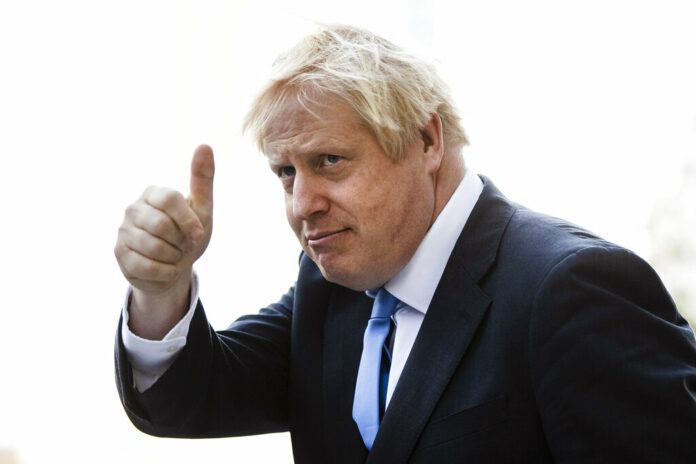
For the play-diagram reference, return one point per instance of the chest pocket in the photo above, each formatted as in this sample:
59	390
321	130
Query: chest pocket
464	422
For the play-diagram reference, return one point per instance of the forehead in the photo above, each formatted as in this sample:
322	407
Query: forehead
322	125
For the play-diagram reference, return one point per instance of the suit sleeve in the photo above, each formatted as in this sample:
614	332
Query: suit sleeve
227	383
613	362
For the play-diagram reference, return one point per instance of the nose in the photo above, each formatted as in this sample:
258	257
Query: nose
309	196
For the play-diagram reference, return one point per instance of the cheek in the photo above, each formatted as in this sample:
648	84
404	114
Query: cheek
407	207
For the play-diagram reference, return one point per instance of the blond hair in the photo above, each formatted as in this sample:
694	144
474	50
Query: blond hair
393	92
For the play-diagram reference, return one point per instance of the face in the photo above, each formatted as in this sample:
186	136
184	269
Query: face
358	215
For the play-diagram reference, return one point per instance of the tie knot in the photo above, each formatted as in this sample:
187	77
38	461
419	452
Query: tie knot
385	303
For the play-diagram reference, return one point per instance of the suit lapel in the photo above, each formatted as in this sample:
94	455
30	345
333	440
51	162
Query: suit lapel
455	312
452	319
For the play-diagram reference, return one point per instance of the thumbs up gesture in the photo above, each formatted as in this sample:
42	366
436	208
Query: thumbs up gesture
161	236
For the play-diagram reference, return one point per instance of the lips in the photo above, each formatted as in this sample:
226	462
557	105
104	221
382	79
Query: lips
325	237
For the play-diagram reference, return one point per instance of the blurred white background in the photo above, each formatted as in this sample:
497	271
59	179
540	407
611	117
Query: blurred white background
585	110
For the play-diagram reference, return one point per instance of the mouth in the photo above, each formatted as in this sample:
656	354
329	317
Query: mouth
323	238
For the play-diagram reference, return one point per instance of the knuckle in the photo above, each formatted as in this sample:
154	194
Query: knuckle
171	198
162	225
131	210
118	250
122	233
124	255
127	273
149	191
127	268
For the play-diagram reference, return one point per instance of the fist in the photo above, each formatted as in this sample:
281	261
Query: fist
163	233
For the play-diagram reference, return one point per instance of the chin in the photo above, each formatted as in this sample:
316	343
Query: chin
354	279
339	275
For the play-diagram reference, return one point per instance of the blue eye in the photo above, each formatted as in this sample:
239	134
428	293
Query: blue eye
328	160
286	172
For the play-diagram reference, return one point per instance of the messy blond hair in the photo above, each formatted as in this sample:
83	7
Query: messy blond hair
393	92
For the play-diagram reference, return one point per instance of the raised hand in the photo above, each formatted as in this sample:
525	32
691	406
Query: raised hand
161	236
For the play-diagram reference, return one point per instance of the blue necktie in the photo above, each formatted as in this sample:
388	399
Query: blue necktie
367	387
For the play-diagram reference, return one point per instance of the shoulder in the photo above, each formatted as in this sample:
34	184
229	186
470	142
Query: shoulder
555	266
511	238
546	237
534	246
563	254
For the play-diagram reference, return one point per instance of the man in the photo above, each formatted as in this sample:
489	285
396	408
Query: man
515	337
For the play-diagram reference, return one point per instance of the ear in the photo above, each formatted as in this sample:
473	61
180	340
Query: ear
433	143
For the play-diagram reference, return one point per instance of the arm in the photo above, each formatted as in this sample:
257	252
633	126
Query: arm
226	383
614	364
233	382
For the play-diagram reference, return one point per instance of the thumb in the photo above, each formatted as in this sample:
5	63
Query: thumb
202	173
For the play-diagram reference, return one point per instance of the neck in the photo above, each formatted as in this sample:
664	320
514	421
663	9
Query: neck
447	179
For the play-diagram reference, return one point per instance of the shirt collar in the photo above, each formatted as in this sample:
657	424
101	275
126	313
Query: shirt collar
415	284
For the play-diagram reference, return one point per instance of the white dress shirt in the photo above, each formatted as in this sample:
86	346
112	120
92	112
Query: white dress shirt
414	286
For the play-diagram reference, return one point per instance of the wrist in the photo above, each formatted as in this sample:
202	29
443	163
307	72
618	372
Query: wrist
152	315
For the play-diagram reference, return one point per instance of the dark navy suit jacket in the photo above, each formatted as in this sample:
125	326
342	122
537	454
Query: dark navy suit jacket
543	343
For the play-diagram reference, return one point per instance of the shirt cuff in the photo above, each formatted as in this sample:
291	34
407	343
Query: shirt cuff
150	359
